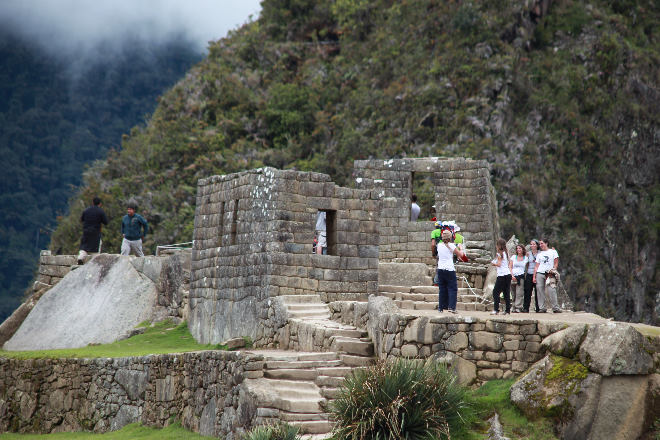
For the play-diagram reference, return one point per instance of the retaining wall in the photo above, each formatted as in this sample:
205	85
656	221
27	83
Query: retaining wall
202	390
497	348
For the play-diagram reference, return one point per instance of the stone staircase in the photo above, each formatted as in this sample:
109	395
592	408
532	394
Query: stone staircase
426	297
296	386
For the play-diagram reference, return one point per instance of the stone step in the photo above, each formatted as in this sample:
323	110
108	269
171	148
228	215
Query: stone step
312	314
305	389
307	307
329	381
330	393
314	426
356	361
335	371
353	346
294	374
421	305
303	417
276	365
301	299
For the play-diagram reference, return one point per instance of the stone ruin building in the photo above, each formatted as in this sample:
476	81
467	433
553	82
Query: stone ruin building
251	274
254	232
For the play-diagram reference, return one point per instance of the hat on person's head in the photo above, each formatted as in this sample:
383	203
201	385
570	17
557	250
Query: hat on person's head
438	223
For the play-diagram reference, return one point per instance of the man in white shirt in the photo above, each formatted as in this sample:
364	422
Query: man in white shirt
547	259
414	209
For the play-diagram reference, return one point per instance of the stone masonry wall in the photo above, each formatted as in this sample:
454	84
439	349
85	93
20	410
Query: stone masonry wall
202	390
497	348
463	192
52	268
253	241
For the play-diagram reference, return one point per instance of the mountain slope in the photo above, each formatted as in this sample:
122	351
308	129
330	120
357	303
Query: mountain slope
55	119
560	97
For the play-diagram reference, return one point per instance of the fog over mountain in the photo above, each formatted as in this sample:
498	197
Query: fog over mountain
77	28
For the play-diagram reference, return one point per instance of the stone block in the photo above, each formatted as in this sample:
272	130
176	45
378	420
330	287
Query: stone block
486	341
490	374
456	342
409	351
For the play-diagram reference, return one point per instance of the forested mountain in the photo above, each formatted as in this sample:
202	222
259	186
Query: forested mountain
561	97
57	116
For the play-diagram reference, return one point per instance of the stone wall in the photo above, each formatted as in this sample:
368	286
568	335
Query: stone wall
202	390
253	241
498	348
463	192
52	268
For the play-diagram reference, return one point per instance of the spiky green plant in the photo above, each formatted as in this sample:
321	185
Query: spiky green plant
281	431
401	399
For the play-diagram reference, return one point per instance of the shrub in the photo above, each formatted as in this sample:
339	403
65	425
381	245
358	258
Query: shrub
281	431
400	399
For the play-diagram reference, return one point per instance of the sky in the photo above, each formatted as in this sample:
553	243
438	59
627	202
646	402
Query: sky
68	27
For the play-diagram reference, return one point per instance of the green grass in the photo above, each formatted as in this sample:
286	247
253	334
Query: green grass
162	337
133	431
494	397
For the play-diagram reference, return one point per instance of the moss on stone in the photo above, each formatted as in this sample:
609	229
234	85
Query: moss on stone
565	376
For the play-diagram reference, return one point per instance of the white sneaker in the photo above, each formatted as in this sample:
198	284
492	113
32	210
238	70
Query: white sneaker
494	312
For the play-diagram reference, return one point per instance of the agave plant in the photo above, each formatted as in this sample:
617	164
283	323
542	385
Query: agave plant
281	431
401	399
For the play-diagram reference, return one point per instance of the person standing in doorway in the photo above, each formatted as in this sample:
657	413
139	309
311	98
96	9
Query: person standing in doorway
133	228
414	209
321	233
93	218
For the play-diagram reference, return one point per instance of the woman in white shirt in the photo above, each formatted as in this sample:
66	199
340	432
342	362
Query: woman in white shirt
447	284
503	281
529	277
517	266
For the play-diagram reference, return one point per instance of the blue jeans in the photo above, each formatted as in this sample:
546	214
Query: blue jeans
447	289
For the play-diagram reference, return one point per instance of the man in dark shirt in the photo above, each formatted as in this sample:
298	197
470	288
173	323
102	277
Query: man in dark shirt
92	219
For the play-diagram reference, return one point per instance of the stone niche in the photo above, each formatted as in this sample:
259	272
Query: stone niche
253	240
463	193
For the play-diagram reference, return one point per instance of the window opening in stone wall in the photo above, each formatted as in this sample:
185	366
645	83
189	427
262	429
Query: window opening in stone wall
221	221
422	186
325	231
234	220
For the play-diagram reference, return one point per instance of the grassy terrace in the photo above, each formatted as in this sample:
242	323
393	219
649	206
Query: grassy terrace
133	431
159	338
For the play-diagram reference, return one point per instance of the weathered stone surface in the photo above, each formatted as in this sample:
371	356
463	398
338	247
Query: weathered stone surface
611	348
565	342
486	341
466	371
98	303
621	408
403	274
409	351
457	342
548	385
134	382
422	331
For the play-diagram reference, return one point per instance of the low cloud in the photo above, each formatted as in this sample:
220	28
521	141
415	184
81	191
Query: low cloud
79	27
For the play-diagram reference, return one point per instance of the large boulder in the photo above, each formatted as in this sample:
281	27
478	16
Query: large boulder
586	405
565	342
97	303
616	348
